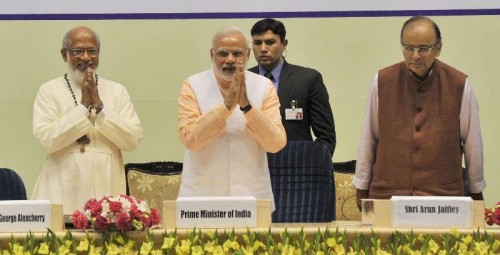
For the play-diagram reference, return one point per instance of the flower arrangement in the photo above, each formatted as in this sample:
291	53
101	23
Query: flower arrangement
492	215
116	212
228	242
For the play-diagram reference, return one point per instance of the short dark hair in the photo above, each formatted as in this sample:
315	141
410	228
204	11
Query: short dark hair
275	26
421	18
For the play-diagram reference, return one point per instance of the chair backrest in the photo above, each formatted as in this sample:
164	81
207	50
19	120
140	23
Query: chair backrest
154	182
11	185
302	183
347	167
345	191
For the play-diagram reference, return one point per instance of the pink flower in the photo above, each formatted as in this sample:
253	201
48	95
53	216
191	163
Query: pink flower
146	221
110	211
79	220
123	221
155	216
101	223
134	212
94	206
492	215
152	219
496	216
131	199
115	206
488	216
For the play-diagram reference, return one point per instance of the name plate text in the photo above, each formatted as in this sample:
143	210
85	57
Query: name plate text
25	215
431	212
216	212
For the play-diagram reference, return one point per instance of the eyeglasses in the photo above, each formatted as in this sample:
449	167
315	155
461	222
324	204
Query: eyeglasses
79	52
422	50
225	53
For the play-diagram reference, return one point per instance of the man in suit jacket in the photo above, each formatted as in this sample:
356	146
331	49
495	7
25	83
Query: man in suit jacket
303	96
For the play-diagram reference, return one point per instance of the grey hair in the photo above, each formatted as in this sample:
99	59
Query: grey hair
66	42
230	30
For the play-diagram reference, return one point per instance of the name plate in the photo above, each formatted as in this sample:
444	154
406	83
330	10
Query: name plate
431	212
216	212
25	215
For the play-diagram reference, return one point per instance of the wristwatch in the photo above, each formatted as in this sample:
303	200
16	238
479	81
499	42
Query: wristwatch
98	107
246	108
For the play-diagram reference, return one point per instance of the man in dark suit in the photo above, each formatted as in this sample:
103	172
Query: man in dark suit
303	96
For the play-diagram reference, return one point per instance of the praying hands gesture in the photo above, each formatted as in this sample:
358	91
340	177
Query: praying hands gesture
237	93
90	94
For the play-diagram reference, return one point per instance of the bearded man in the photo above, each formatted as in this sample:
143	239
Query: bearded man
83	121
228	119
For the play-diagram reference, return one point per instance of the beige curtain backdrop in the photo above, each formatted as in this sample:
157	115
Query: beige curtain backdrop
153	57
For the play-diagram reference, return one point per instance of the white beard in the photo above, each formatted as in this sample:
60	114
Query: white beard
226	77
76	75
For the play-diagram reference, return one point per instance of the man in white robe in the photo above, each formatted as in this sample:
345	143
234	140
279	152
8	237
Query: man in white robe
228	119
83	121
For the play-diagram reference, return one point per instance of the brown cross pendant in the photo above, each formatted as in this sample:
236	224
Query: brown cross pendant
84	140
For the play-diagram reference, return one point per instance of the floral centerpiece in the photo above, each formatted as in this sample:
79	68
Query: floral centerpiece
119	212
492	215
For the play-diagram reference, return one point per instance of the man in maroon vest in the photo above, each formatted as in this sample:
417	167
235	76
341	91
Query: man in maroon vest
421	117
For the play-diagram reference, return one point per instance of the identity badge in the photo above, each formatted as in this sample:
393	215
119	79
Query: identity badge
294	113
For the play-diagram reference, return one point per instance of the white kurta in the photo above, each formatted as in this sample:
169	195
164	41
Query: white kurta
233	164
70	177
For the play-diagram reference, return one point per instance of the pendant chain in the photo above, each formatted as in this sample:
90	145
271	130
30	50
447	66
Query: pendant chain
84	140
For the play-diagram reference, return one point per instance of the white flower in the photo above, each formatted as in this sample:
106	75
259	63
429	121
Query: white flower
114	198
125	204
87	214
143	206
105	209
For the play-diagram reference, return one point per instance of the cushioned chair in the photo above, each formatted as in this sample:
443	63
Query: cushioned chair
345	192
154	182
302	183
11	185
